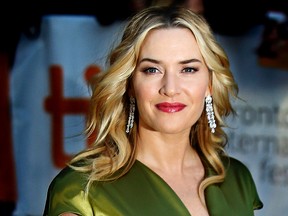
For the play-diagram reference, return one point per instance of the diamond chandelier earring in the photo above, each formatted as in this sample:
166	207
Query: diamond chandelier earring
130	122
210	113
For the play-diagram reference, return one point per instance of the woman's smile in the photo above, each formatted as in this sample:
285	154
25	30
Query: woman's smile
170	107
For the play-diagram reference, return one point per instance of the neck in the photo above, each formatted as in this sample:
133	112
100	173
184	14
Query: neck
165	151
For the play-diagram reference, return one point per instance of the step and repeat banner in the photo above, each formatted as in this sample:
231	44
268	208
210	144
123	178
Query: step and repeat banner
259	134
49	96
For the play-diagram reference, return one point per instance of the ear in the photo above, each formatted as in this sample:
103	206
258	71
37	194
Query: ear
209	86
208	90
130	91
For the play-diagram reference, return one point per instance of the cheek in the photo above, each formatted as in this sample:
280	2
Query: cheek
144	94
197	90
144	91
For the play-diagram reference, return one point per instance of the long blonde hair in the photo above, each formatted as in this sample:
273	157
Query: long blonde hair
113	151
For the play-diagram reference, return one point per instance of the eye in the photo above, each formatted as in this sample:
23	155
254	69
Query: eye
189	70
150	70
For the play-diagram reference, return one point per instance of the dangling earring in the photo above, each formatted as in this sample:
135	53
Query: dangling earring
131	115
210	113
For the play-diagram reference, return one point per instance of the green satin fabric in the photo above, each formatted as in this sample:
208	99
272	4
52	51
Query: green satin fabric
143	192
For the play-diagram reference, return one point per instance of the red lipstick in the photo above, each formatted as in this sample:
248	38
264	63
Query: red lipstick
170	107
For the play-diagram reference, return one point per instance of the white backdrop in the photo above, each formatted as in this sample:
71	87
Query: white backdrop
49	92
49	96
259	136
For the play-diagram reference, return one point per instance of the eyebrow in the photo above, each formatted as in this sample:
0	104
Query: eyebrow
181	62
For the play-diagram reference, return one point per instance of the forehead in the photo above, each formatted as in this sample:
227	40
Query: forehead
173	42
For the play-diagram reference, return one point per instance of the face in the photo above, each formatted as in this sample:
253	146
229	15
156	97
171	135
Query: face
170	82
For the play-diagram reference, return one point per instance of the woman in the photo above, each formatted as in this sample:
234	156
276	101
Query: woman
160	140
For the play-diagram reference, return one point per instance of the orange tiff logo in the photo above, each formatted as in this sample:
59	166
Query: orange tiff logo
58	106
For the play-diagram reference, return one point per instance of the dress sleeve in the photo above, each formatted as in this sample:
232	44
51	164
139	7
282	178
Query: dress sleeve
257	203
66	194
246	183
237	195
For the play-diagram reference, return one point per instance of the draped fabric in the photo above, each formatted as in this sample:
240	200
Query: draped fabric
142	192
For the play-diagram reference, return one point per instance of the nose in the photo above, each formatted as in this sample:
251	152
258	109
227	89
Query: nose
170	85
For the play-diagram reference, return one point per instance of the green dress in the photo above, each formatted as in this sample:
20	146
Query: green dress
141	192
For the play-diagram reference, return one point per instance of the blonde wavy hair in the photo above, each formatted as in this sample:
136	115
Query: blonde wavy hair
113	152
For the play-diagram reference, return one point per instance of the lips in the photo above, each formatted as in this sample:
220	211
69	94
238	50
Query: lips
170	107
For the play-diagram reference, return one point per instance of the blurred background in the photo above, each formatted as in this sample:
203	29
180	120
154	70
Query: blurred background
50	49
